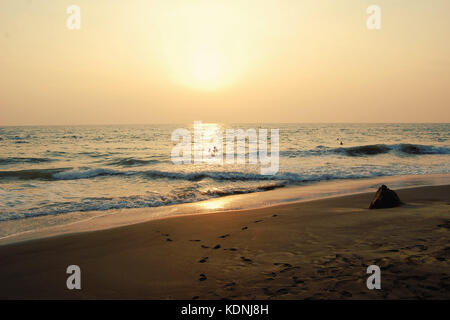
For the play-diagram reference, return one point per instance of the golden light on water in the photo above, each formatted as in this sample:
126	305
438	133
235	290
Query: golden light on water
209	135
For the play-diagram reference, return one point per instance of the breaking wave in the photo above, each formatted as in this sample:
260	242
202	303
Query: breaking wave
409	149
371	150
138	201
77	174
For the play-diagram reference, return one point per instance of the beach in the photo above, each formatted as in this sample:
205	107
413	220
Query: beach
305	250
225	150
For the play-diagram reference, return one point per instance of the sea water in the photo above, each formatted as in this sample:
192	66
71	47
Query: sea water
54	170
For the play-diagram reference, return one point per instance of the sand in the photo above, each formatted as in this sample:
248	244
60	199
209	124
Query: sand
310	250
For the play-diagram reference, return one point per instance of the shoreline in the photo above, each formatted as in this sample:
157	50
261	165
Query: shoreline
307	250
75	222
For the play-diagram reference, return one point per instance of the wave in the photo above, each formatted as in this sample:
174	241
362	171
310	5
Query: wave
219	176
86	174
371	150
60	174
409	149
214	175
222	193
423	149
32	174
364	150
76	174
128	202
132	162
94	154
16	160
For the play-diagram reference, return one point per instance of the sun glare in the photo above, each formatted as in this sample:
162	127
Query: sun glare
201	46
207	68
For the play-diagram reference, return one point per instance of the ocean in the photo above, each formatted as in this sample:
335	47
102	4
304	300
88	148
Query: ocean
54	170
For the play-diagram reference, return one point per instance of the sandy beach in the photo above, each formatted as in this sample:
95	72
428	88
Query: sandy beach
310	250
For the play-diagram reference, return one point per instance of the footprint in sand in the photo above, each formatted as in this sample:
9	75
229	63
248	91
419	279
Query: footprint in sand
443	255
346	294
246	260
195	240
289	269
245	228
224	236
258	221
267	291
230	286
195	298
391	250
421	247
275	215
297	280
202	277
204	247
204	260
287	265
217	247
445	225
169	240
282	291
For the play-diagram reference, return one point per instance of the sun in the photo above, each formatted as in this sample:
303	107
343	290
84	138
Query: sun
201	46
203	67
207	69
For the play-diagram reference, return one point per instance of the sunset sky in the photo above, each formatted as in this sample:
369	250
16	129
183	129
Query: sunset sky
176	61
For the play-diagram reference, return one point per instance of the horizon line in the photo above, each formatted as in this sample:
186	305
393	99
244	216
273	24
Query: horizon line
187	122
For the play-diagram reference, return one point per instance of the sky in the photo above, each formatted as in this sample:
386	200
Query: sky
253	61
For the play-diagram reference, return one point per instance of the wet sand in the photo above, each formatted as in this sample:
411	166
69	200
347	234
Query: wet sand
310	250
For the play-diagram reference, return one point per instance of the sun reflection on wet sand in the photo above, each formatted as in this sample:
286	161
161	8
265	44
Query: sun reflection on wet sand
214	204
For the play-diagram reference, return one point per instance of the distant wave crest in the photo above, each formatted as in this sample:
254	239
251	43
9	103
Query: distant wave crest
132	162
32	174
18	160
409	149
370	150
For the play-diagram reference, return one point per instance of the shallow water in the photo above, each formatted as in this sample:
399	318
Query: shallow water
57	170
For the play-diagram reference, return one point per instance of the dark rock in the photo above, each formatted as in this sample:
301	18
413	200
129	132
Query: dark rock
385	198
